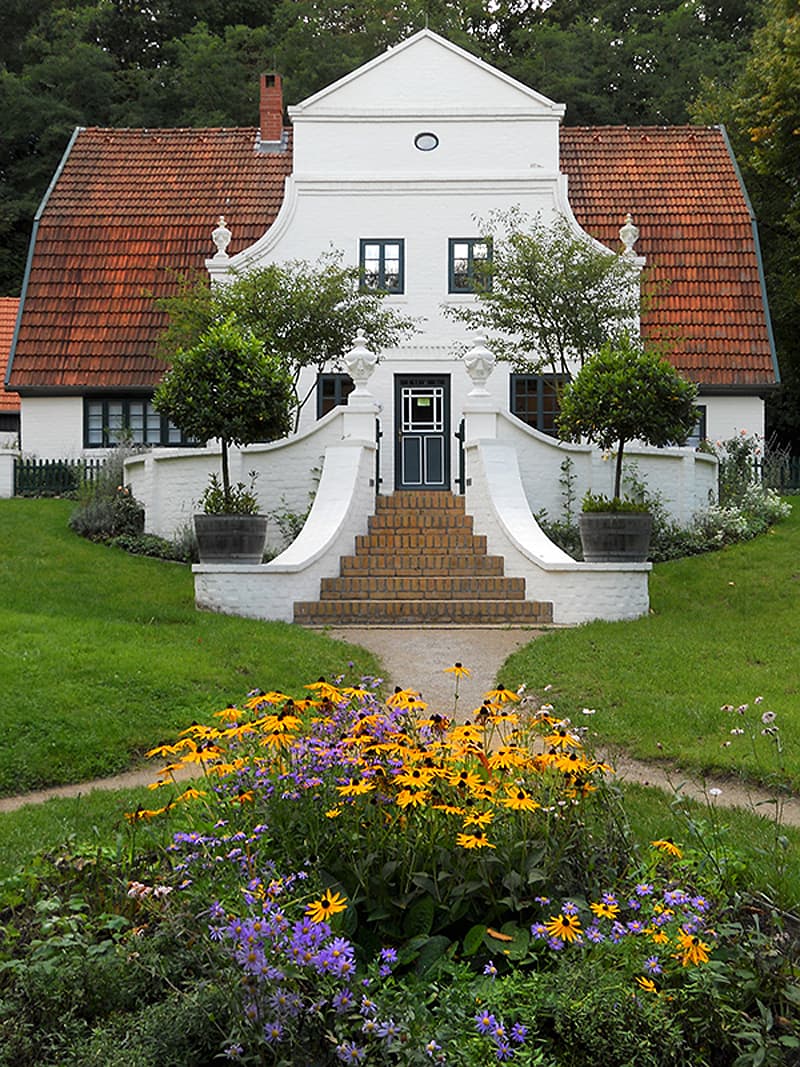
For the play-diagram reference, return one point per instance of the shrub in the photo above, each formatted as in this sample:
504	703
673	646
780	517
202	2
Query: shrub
105	507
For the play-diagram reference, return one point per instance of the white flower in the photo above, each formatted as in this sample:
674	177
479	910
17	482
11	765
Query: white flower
758	700
715	793
589	711
737	732
768	717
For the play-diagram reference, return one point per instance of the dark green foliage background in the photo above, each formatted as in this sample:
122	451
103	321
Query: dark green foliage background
65	63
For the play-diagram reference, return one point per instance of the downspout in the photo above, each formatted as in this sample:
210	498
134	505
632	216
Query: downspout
36	220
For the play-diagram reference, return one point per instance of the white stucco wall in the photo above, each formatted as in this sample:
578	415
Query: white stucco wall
686	479
340	512
727	416
51	427
7	458
169	482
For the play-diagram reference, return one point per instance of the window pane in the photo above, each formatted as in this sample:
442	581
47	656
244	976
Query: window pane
94	422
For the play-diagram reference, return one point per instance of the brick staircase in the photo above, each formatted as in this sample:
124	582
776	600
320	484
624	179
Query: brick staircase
421	564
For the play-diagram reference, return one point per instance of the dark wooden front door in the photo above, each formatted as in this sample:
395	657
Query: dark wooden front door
422	432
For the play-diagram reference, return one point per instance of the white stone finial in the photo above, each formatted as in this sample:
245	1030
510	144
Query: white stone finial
221	237
629	235
360	362
480	362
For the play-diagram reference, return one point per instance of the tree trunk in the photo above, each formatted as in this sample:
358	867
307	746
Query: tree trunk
226	474
618	470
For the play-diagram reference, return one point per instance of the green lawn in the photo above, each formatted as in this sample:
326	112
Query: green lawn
103	655
724	628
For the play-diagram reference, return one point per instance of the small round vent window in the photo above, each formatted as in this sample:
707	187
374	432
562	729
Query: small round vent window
426	142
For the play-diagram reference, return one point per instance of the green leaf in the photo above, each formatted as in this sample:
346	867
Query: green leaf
432	951
473	939
419	918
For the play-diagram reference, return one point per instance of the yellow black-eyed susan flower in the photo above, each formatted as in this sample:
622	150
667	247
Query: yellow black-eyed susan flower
329	904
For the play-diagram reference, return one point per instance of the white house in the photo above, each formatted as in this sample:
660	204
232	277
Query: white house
393	165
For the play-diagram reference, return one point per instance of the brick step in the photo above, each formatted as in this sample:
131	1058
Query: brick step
418	587
431	564
422	612
415	542
408	519
420	500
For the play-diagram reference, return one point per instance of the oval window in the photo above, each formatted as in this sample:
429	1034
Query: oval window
426	142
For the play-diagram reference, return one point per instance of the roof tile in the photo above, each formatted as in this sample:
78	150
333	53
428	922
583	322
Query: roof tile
134	208
9	402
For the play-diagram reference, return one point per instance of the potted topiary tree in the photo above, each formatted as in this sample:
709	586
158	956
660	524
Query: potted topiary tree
624	393
227	386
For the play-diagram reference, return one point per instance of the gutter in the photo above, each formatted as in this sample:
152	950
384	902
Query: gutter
757	243
36	220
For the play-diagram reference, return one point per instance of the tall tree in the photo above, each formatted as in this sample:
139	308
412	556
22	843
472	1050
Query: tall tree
762	113
550	296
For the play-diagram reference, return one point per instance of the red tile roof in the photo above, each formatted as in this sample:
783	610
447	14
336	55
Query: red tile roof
683	190
130	210
132	207
9	402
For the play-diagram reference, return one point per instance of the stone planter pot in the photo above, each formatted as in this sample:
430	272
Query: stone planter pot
615	536
231	538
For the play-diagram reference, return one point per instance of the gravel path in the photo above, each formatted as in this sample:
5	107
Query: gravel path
418	658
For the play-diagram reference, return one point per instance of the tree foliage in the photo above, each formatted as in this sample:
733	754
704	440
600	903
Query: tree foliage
226	385
761	111
304	314
551	296
628	392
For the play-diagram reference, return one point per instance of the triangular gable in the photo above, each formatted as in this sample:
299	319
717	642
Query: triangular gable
425	74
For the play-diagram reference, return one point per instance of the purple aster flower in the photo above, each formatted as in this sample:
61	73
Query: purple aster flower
485	1021
652	965
636	927
556	944
544	901
610	899
503	1051
273	1032
618	931
594	934
569	908
432	1047
539	931
519	1033
643	889
233	1052
368	1007
342	1001
348	1052
700	904
389	1030
634	904
490	970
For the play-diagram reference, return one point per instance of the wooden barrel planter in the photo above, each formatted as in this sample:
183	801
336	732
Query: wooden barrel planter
231	538
615	536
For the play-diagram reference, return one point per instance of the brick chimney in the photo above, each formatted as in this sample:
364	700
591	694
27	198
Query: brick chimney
271	109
